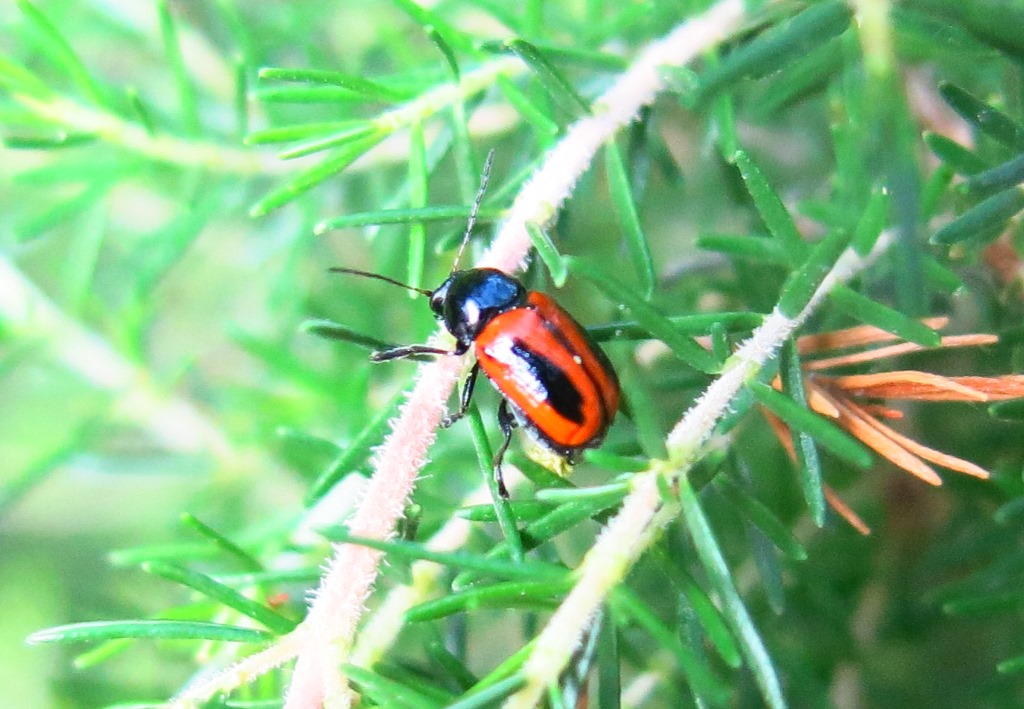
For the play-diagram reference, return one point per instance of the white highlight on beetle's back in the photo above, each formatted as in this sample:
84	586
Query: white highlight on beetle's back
521	377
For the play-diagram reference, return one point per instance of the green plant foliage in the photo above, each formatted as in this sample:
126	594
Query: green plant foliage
190	416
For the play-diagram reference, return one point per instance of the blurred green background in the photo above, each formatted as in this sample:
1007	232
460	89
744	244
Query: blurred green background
159	263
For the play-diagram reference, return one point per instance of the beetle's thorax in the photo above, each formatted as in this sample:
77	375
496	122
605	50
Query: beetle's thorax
469	299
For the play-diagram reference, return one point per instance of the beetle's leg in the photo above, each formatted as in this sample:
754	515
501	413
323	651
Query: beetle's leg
411	350
467	394
506	422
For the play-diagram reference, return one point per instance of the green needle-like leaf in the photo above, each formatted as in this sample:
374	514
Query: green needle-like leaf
559	87
1007	174
609	680
706	612
558	520
629	220
615	463
808	461
148	630
942	277
308	179
385	692
60	139
446	50
186	89
242	74
333	95
698	324
530	595
18	79
762	518
100	654
648	316
60	211
246	559
774	213
535	115
724	111
983	222
778	46
525	571
705	683
371	90
987	119
141	111
872	221
883	317
524	511
358	131
564	494
491	470
434	213
992	22
548	253
567	54
1013	410
754	248
803	419
431	21
216	591
417	200
1011	666
136	556
984	604
299	131
490	695
959	158
18	482
736	614
641	402
61	52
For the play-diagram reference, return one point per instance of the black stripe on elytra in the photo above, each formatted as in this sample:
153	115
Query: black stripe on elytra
562	394
598	354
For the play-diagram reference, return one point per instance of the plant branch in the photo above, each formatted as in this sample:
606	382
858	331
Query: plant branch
441	97
161	147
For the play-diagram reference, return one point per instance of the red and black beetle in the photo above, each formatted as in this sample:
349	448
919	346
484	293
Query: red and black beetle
553	378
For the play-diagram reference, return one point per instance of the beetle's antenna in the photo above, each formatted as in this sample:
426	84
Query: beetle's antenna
379	277
476	207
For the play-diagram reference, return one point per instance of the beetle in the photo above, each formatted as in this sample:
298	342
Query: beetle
554	380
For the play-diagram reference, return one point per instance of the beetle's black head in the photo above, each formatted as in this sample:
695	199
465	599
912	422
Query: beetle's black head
469	299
